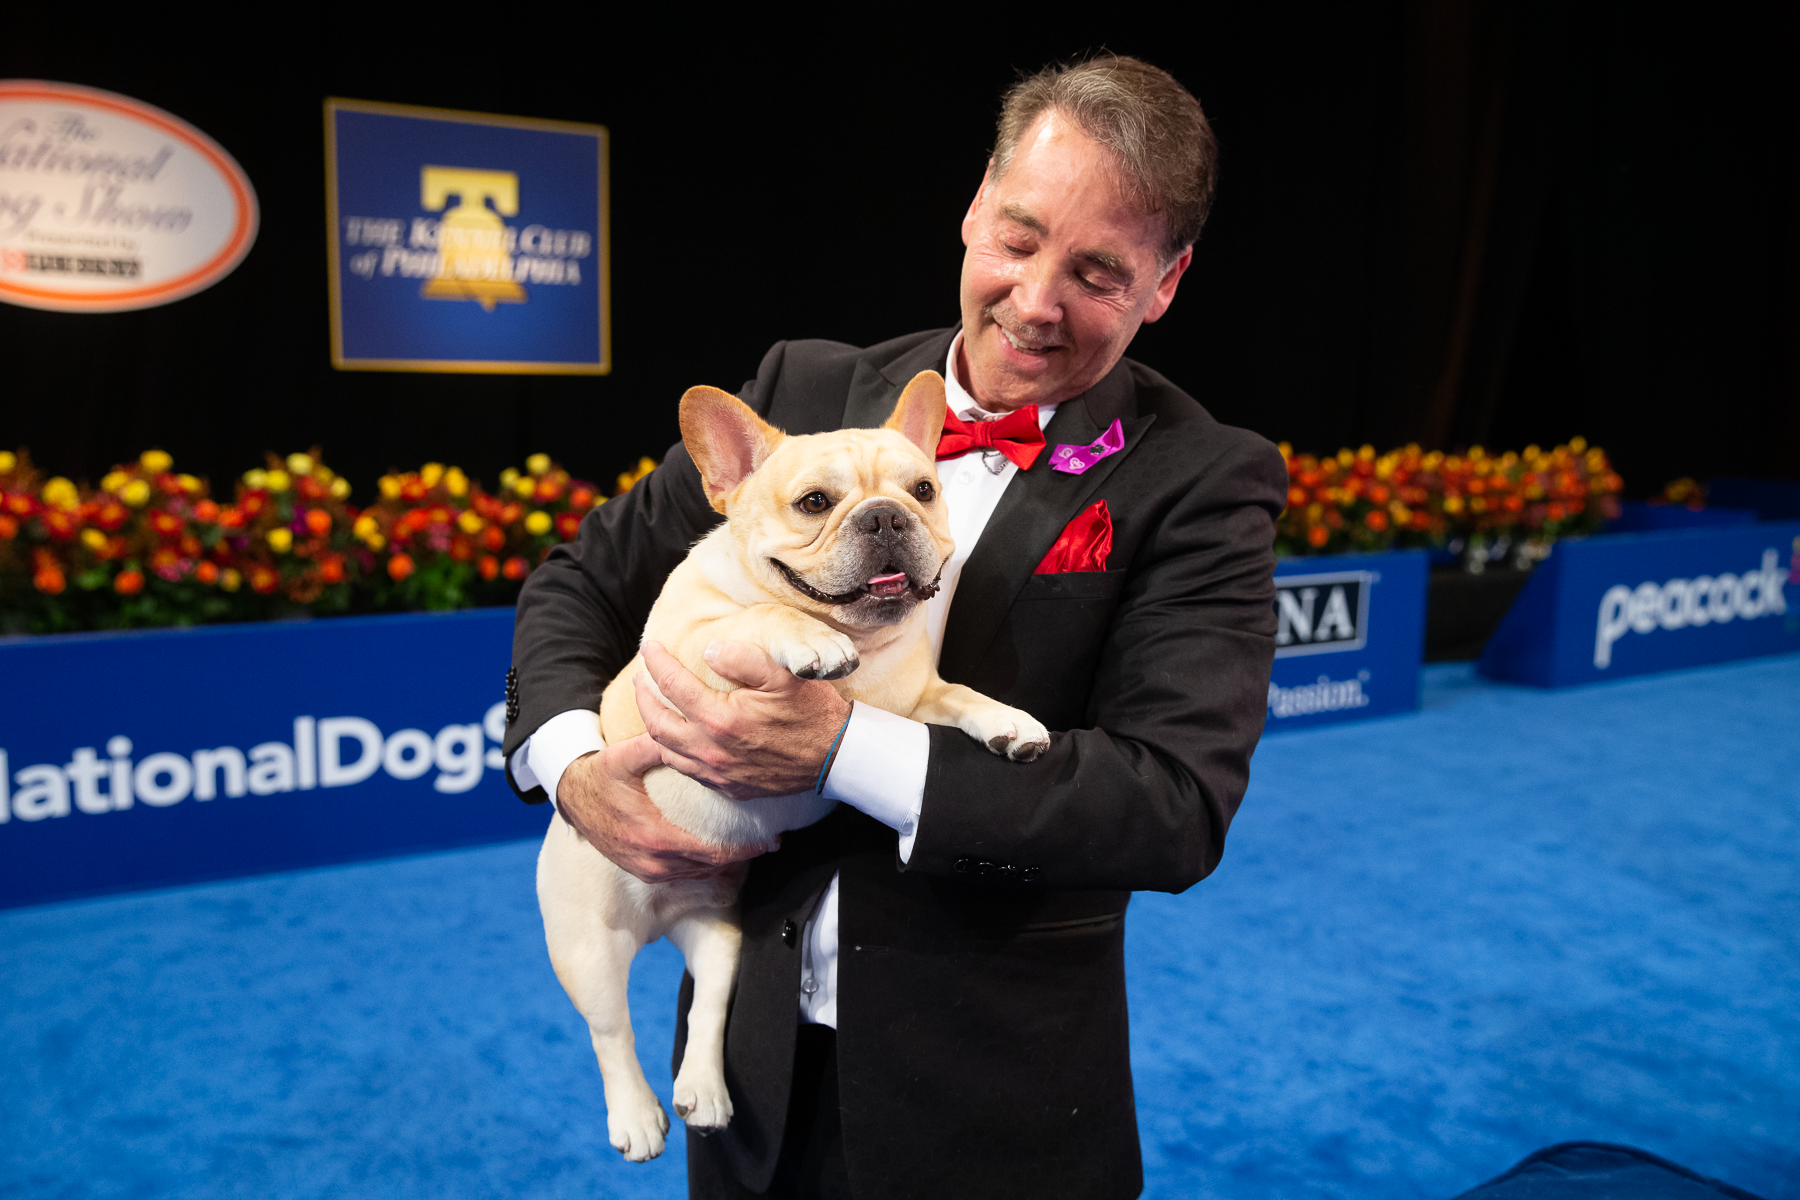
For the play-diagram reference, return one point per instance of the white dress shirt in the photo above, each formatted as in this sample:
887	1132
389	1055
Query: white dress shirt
882	759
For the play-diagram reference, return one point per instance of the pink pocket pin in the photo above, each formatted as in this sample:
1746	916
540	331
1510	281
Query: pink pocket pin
1073	460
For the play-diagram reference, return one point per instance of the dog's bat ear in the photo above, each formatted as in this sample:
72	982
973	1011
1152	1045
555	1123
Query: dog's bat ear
726	440
919	416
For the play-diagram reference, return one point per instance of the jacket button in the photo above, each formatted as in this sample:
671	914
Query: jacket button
961	866
1029	875
788	932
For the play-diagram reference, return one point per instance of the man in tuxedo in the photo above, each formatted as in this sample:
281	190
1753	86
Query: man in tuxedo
932	995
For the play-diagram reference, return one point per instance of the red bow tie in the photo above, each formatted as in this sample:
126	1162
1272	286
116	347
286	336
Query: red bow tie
1015	435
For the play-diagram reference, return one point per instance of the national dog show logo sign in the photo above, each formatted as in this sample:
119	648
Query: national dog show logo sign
108	204
466	242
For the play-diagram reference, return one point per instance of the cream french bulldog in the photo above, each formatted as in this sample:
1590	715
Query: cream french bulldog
830	543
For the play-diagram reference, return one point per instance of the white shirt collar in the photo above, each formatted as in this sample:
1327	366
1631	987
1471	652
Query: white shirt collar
963	404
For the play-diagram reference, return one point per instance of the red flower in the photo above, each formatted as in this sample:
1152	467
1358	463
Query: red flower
207	572
581	497
489	566
9	528
331	568
128	583
515	568
206	511
319	521
568	524
1376	520
167	524
493	537
399	567
231	518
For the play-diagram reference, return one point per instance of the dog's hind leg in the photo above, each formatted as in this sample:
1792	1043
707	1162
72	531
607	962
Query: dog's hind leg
577	890
710	939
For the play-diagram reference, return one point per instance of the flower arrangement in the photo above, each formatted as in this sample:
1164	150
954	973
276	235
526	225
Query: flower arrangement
152	547
1470	503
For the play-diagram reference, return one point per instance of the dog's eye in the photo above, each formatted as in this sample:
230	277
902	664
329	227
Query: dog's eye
814	502
924	491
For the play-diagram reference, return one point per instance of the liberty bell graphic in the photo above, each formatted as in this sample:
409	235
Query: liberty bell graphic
472	241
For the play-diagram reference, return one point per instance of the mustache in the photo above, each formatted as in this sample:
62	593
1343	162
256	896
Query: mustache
1037	337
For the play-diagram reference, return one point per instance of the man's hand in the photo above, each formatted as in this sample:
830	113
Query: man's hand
602	795
767	738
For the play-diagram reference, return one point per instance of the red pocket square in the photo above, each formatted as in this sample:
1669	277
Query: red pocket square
1084	544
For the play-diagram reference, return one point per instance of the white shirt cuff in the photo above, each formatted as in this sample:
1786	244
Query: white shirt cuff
880	770
558	742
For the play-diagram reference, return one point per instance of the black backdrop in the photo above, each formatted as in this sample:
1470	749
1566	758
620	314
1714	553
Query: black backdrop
1450	222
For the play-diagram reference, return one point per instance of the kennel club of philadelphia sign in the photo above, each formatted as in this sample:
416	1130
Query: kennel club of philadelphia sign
109	204
466	242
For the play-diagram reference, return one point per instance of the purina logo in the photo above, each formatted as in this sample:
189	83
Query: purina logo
332	752
1321	614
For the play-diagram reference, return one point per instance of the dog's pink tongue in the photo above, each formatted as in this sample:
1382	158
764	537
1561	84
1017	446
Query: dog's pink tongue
888	585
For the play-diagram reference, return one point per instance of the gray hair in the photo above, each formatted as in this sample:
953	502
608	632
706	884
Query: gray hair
1153	126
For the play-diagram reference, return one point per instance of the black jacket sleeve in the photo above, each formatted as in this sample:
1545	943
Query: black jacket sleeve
1140	798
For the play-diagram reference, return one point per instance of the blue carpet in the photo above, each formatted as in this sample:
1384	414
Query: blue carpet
1437	943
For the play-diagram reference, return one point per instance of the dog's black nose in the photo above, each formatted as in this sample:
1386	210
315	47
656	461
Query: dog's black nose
884	518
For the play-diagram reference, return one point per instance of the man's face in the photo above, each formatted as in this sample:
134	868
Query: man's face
1060	271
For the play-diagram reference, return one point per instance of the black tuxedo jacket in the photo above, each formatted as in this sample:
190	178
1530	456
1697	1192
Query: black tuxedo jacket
982	1035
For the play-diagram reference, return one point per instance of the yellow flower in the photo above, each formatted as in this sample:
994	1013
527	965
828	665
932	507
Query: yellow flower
538	523
508	477
340	488
455	482
8	460
525	486
278	481
300	464
1578	444
1345	457
1477	504
390	487
538	464
470	523
156	461
430	473
322	473
113	481
1453	504
365	525
281	539
136	493
61	493
256	479
375	541
189	484
230	579
93	539
1287	450
1534	451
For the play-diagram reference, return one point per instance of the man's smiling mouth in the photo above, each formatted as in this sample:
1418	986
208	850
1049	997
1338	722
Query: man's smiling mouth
1026	345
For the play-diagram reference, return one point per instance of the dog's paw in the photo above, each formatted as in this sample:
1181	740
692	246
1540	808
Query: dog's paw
826	654
637	1130
1018	735
703	1103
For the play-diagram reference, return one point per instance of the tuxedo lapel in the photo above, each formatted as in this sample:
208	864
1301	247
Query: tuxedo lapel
875	390
1031	515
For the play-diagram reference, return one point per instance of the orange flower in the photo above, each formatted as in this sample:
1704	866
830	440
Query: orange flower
165	523
489	566
318	520
263	580
461	548
9	528
1317	536
128	583
48	578
207	572
493	537
1296	497
331	568
231	518
399	567
206	511
568	524
1376	520
515	568
581	497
